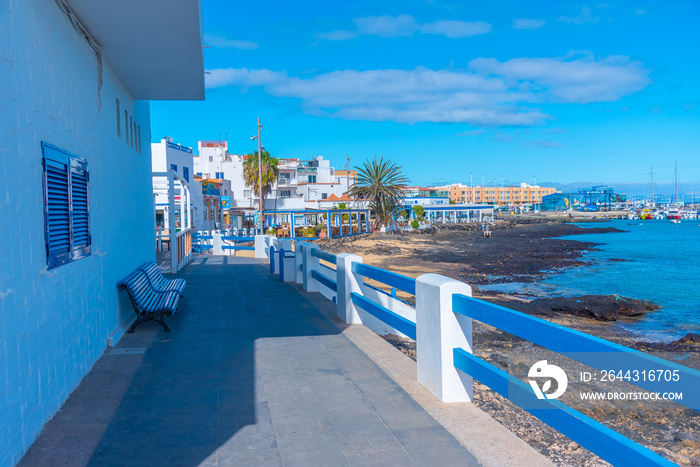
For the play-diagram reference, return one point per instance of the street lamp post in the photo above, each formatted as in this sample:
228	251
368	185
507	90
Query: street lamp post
260	199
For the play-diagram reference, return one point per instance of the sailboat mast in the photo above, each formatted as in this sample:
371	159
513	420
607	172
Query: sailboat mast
652	185
676	182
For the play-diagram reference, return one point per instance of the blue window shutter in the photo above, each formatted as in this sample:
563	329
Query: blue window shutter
66	206
56	207
80	208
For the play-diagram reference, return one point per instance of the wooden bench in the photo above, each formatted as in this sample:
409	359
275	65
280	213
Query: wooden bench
149	303
159	282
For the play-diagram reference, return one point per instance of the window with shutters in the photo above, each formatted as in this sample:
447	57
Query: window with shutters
66	206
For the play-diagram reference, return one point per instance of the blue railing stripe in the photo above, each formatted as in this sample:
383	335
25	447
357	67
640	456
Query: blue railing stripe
325	256
235	247
238	239
401	282
583	347
593	435
203	247
392	295
328	267
394	320
328	282
202	237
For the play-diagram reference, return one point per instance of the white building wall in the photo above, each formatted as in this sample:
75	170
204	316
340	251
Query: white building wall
55	324
213	160
163	156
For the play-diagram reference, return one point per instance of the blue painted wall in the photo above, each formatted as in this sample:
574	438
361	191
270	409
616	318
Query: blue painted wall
55	324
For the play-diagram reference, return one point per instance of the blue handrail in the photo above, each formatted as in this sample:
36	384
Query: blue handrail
603	441
590	350
394	320
238	239
327	281
325	256
401	282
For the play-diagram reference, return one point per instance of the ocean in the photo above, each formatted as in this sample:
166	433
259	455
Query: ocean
662	264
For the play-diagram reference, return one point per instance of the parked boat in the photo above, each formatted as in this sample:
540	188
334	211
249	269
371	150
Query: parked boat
647	213
674	213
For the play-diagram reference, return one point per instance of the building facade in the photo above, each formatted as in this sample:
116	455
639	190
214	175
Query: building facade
78	206
505	196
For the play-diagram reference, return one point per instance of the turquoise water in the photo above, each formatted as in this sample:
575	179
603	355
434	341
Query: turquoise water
662	266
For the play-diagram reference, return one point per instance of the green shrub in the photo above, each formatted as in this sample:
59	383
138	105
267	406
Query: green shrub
415	224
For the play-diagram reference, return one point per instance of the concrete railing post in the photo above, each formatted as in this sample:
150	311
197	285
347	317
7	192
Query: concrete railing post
299	254
287	265
217	244
438	332
310	264
260	246
348	282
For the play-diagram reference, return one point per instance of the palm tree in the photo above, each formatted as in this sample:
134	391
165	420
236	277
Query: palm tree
380	182
269	175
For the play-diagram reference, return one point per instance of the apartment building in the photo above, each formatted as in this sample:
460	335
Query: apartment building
311	180
509	195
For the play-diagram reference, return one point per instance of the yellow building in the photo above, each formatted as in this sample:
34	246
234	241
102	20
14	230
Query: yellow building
508	195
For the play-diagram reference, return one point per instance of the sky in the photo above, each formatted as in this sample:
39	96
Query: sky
562	94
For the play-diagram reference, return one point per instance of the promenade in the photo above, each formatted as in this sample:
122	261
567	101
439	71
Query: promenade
253	373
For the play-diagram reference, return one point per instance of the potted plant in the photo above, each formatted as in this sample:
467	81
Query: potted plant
322	231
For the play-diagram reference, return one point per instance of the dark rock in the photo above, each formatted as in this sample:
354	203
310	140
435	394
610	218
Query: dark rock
598	307
690	338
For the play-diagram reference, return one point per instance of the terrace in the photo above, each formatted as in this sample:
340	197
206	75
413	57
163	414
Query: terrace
258	372
259	369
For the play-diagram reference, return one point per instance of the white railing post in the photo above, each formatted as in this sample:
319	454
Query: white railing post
217	244
260	246
299	253
310	264
438	332
348	282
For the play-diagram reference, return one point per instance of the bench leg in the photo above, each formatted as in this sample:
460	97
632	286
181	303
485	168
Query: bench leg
138	321
165	326
141	319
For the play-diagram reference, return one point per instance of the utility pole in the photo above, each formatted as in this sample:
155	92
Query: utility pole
260	190
260	202
347	174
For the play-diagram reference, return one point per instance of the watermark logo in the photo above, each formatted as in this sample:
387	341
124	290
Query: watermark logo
542	370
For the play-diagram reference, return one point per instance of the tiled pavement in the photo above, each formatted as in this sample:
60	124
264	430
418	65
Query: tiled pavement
253	374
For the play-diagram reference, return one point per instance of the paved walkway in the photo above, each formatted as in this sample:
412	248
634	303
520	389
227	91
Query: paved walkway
251	374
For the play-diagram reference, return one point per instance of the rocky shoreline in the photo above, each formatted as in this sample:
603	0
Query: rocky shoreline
525	251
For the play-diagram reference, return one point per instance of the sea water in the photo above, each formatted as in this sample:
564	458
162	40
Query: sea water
661	264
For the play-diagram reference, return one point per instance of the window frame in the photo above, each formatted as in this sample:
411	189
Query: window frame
75	190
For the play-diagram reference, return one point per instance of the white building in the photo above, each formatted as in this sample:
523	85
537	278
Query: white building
301	183
77	204
168	156
215	162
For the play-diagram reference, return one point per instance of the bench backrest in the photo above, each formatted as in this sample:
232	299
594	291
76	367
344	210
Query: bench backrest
139	288
153	273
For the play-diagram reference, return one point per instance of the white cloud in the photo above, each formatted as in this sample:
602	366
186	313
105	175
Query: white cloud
528	23
223	43
583	80
487	93
456	29
387	26
405	26
584	16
